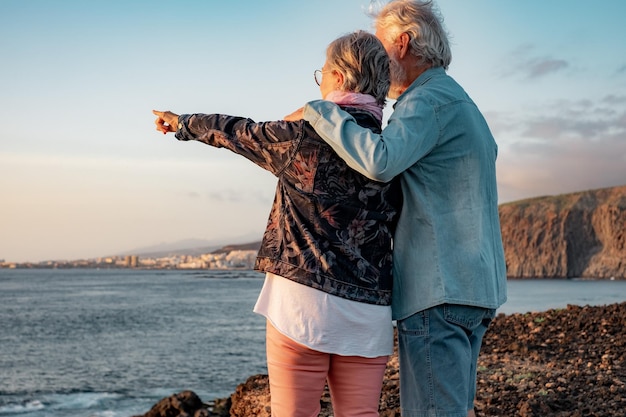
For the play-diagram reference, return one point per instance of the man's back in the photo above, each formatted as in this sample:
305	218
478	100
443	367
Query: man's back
448	247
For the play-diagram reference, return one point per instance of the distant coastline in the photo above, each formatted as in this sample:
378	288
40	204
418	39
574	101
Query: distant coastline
577	235
239	256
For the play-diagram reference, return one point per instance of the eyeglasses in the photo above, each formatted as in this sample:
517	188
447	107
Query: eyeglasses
317	74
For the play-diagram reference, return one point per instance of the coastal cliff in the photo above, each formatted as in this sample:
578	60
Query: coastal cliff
561	362
574	235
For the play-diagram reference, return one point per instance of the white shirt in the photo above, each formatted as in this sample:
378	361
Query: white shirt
325	322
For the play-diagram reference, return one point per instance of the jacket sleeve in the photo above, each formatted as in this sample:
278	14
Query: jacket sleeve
408	136
270	145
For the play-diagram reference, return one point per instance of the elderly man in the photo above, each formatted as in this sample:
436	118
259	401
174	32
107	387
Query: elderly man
449	268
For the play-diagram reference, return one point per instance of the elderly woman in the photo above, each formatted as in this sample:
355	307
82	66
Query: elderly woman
326	250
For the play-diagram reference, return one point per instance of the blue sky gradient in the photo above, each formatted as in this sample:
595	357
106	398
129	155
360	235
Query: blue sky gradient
84	174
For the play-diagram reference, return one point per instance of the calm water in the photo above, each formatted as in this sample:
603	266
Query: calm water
111	343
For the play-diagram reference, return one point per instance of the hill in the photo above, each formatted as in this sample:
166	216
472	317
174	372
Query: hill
195	247
244	246
580	234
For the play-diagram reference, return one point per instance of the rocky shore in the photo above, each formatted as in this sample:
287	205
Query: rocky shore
564	362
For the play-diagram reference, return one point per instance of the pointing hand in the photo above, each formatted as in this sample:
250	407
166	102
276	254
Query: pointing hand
166	121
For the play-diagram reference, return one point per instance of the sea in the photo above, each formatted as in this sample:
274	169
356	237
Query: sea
112	343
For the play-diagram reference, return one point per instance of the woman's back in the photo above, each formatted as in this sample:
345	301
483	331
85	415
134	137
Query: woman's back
330	227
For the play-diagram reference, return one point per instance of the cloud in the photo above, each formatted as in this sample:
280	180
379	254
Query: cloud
589	120
564	147
521	61
540	67
612	99
245	196
226	196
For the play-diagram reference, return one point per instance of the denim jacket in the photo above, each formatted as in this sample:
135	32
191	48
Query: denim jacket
329	227
448	245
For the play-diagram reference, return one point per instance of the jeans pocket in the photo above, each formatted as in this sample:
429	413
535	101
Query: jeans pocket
468	317
415	325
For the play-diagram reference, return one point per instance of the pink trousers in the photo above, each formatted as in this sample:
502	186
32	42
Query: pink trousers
298	375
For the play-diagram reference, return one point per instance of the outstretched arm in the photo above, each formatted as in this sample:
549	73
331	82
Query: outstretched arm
407	138
270	145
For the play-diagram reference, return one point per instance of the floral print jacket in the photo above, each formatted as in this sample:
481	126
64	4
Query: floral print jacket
330	227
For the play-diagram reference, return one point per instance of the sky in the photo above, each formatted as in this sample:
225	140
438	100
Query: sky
84	173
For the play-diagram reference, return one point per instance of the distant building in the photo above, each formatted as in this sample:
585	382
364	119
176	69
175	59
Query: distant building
132	261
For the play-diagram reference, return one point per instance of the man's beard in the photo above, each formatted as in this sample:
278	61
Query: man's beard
398	78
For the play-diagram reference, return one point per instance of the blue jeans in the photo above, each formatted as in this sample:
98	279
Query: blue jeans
438	352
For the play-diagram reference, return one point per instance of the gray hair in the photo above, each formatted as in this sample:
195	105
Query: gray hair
423	23
364	63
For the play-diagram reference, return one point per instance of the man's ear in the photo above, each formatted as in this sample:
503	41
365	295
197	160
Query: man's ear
402	43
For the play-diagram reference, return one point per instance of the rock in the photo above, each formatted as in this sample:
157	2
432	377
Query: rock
183	404
563	362
572	235
252	398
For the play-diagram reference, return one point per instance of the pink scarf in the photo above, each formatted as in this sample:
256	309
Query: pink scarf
358	100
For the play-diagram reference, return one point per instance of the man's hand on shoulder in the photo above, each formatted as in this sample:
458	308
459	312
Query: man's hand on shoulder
296	115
